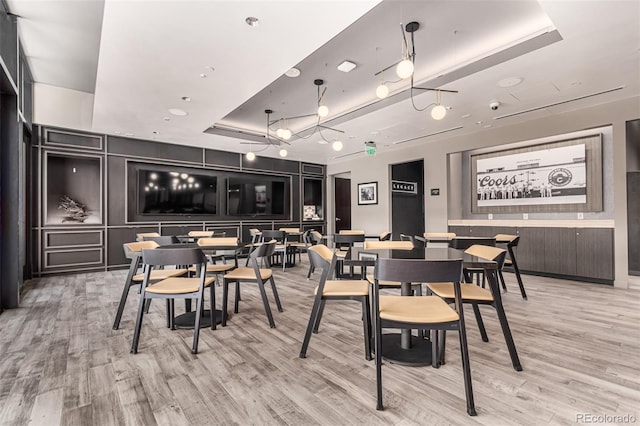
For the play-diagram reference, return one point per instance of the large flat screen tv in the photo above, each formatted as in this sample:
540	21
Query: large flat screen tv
257	195
177	192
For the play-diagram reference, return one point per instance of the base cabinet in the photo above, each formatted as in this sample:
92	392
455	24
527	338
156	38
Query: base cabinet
579	253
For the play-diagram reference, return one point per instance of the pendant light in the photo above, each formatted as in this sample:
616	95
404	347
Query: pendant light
438	111
382	91
323	110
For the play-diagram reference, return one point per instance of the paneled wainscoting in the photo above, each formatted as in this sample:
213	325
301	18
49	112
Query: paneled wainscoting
61	363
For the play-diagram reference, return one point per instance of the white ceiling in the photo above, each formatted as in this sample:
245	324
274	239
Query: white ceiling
151	53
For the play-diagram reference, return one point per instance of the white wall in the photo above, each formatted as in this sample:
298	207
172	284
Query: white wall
377	218
57	106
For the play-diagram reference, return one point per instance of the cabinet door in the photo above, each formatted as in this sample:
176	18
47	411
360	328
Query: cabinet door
594	253
559	251
530	250
458	230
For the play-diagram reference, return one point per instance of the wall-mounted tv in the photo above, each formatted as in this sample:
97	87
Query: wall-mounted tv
177	192
257	195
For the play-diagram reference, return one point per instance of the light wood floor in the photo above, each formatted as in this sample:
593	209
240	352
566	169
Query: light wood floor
61	363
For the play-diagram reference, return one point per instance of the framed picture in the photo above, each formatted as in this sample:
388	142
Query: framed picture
563	176
368	193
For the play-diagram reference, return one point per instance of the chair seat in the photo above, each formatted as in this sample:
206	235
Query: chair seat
421	310
248	274
508	262
281	247
341	253
176	285
469	291
345	288
215	268
160	274
297	244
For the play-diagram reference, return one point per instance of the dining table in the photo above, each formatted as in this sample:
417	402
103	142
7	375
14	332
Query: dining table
406	348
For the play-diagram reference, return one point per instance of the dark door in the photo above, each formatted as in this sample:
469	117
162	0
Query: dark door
407	199
342	203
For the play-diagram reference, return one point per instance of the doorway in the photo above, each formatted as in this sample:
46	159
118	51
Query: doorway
342	203
407	199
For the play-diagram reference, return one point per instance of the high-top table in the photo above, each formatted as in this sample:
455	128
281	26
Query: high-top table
404	348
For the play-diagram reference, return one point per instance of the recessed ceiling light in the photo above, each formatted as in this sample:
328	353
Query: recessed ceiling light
186	98
155	132
322	142
293	73
177	111
203	75
479	122
252	22
465	116
486	126
510	82
209	68
346	66
166	118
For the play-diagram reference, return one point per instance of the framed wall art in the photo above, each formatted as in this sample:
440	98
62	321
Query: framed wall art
368	193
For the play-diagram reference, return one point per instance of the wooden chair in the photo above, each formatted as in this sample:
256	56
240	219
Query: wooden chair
475	296
314	237
437	238
321	256
256	275
303	245
175	287
343	242
133	251
424	312
281	249
351	232
412	239
213	268
511	242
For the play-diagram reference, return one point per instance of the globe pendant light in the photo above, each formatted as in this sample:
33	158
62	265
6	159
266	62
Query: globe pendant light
438	112
337	146
323	111
283	153
250	156
405	68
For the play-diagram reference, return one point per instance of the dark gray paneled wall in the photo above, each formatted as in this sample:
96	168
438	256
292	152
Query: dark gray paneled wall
121	157
633	145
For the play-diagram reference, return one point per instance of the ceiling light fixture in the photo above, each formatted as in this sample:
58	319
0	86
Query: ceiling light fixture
252	22
336	145
250	156
405	69
178	112
283	153
323	110
382	91
186	98
346	66
293	73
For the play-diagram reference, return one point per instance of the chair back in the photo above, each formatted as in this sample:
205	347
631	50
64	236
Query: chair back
513	240
200	233
385	236
418	271
351	232
173	256
321	256
489	253
163	240
139	245
256	235
316	237
390	245
140	236
268	235
218	241
264	250
347	240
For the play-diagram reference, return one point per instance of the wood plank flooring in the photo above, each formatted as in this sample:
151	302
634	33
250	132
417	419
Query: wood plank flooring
61	363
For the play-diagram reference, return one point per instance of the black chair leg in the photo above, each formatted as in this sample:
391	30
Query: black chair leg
504	284
225	298
172	303
265	302
147	305
212	298
136	332
366	323
319	317
443	342
378	340
236	304
466	367
312	320
196	326
123	301
275	294
502	316
483	331
435	359
168	313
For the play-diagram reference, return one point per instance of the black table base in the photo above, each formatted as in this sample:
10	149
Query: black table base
417	356
188	319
